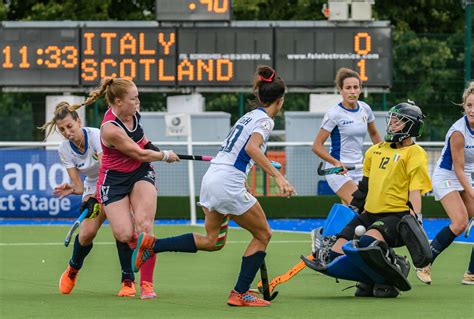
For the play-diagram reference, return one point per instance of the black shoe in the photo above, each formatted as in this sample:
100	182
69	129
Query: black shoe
385	291
364	290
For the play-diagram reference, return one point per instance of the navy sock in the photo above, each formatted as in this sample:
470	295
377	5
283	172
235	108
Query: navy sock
442	240
333	255
79	253
183	243
125	257
365	241
248	269
471	263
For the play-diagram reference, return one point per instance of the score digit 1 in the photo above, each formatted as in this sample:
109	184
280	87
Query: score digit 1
362	51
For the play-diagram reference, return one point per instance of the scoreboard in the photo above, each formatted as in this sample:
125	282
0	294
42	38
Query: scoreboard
176	57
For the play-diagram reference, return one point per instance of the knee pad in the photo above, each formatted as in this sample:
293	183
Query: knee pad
416	241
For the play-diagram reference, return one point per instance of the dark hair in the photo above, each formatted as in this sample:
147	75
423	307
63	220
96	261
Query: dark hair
113	88
267	86
345	73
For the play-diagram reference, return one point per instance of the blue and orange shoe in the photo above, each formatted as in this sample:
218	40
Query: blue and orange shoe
143	251
68	280
247	299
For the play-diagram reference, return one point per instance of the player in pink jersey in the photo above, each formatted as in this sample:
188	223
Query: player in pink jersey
126	177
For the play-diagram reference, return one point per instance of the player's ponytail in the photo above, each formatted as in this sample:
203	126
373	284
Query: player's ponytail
267	86
62	110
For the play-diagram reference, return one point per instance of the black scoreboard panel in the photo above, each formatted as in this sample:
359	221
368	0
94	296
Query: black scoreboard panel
222	56
172	58
39	56
144	55
311	56
193	10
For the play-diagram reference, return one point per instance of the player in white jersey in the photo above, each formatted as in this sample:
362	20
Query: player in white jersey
346	124
80	154
223	192
452	185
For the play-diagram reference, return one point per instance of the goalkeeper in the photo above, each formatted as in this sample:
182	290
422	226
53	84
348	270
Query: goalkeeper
395	177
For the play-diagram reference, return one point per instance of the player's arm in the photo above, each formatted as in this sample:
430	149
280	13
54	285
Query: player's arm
414	197
253	150
74	187
114	136
373	133
456	145
319	149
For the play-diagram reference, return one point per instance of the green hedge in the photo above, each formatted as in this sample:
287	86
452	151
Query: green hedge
280	207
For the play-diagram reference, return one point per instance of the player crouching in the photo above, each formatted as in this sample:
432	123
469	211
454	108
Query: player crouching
389	197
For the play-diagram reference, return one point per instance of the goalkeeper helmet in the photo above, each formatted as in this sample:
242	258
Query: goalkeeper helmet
404	120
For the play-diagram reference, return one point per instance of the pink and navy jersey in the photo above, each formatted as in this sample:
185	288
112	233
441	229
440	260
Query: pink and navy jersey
348	128
113	159
446	159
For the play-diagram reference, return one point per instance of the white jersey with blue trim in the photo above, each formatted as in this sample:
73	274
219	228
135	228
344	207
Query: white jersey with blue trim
232	151
348	129
87	162
446	159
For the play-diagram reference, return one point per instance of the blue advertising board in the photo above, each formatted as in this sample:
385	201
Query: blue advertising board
27	180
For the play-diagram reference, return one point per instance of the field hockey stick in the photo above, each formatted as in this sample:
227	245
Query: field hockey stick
335	170
267	294
285	277
470	224
208	158
74	226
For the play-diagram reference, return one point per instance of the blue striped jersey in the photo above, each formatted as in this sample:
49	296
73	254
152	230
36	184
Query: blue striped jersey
348	128
446	159
232	151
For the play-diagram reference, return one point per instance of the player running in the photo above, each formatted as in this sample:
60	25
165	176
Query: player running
223	192
81	154
452	185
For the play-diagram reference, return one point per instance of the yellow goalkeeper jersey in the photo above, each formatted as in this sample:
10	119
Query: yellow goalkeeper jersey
392	174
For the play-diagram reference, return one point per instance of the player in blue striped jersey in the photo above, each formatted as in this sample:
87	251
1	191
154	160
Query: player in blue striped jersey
223	192
346	124
452	185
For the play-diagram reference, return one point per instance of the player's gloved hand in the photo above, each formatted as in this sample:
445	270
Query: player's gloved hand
151	146
92	205
355	208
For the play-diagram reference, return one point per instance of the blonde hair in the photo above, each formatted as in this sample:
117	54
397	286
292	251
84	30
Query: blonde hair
468	91
113	88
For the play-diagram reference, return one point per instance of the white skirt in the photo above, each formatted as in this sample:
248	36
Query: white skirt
445	181
336	181
223	190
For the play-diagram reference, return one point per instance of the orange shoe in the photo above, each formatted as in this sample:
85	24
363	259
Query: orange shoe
146	290
68	280
128	289
247	299
143	251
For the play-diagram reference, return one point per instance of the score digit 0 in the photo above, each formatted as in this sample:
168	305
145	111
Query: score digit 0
360	51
